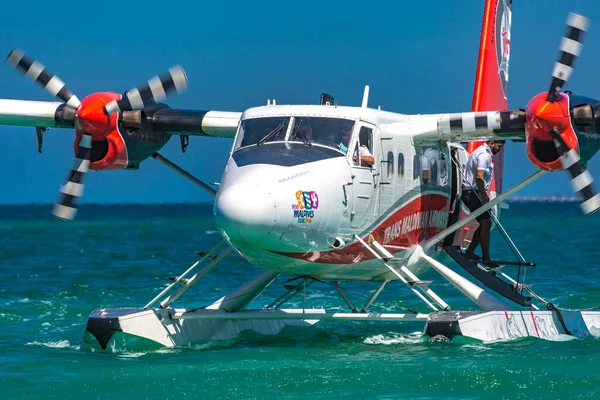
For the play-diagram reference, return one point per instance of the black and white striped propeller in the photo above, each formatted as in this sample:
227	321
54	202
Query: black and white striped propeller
70	193
581	180
570	48
156	89
38	73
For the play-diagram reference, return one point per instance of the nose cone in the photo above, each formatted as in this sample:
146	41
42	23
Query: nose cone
245	212
90	116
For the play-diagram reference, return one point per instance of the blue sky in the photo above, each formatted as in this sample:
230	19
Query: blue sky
417	57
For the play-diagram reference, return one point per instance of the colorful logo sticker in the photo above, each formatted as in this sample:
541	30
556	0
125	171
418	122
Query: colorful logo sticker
306	204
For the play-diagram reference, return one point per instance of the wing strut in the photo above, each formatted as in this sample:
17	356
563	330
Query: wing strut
185	174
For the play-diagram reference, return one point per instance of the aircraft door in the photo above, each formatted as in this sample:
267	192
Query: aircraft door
457	162
387	173
364	174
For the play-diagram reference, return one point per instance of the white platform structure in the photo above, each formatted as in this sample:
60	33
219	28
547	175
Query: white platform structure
228	318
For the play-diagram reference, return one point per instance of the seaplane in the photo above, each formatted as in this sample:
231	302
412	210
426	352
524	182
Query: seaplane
340	195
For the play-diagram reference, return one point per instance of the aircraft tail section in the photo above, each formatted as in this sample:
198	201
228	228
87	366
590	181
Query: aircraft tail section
491	81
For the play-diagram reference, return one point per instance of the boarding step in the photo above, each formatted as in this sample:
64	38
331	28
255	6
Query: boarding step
404	274
488	277
499	264
494	266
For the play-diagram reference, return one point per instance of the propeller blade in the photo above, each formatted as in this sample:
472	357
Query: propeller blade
581	180
66	205
156	89
570	48
38	73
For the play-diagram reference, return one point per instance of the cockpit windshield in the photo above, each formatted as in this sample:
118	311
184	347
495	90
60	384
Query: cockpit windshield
261	130
323	131
331	132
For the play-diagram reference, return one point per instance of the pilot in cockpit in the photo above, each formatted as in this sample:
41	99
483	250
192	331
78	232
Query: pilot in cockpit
364	155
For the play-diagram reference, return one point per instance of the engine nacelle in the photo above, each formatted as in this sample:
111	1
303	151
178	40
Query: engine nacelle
113	145
541	117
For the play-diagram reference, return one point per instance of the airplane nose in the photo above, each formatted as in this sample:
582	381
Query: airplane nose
245	212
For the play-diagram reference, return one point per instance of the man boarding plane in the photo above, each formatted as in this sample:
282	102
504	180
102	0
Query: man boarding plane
333	207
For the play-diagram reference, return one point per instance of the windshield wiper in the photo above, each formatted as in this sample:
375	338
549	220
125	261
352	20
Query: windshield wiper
271	134
302	135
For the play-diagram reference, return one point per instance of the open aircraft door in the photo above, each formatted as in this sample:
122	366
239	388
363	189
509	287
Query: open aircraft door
458	160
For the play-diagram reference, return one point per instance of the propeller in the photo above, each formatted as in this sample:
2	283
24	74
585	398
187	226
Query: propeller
570	48
66	205
156	89
581	180
38	73
70	193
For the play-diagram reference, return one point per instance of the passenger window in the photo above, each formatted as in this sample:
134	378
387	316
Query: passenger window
400	166
429	166
416	166
390	165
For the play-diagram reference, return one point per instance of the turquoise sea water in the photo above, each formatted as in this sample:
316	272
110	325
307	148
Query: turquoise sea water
53	274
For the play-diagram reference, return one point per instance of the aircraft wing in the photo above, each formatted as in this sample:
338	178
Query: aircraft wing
194	122
161	118
33	113
468	126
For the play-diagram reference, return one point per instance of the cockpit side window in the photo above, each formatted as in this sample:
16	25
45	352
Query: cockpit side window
365	138
356	155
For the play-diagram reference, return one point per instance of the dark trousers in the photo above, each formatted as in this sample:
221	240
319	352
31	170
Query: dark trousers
472	200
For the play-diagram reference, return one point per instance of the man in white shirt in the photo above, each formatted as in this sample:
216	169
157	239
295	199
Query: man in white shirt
365	156
476	181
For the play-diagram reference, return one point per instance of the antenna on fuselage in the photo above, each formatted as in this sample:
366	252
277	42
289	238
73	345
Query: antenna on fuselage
365	97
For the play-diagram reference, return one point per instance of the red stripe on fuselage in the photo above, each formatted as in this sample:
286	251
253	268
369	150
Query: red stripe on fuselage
414	222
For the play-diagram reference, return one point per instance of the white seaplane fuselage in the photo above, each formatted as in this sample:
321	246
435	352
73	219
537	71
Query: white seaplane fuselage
295	207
